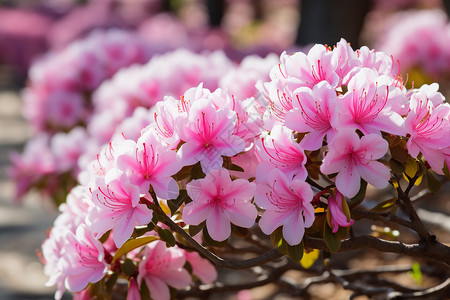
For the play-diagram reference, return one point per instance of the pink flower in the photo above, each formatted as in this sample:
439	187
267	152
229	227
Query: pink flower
83	260
429	130
67	148
53	250
162	267
201	267
65	109
338	218
117	206
314	112
150	163
220	201
133	290
286	203
35	162
308	70
354	158
281	150
345	61
164	116
364	106
75	210
240	81
208	135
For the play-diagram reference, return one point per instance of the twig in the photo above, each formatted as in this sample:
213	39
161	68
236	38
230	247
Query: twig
437	290
409	209
218	287
383	217
216	260
434	250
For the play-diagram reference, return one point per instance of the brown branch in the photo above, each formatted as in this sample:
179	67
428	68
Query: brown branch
434	291
433	249
359	289
219	287
216	260
382	217
418	226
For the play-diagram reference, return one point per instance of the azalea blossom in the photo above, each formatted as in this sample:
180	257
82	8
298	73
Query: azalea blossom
338	218
208	135
220	201
161	267
354	158
53	250
83	260
281	150
315	112
287	203
307	70
148	162
429	130
201	267
365	105
133	290
117	206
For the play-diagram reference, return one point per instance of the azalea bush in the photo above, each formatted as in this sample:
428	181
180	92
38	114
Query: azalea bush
220	180
74	114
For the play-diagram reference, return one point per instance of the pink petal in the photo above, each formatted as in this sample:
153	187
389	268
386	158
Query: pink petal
271	220
218	224
242	214
123	229
348	181
196	212
179	278
158	289
375	173
374	145
294	228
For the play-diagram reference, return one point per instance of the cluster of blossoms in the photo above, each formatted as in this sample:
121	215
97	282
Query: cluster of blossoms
119	105
217	163
420	39
58	104
60	84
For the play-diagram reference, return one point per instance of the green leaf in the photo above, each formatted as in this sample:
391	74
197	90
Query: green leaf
195	229
128	267
359	197
433	184
295	252
133	244
385	205
175	204
396	166
416	273
167	236
332	240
